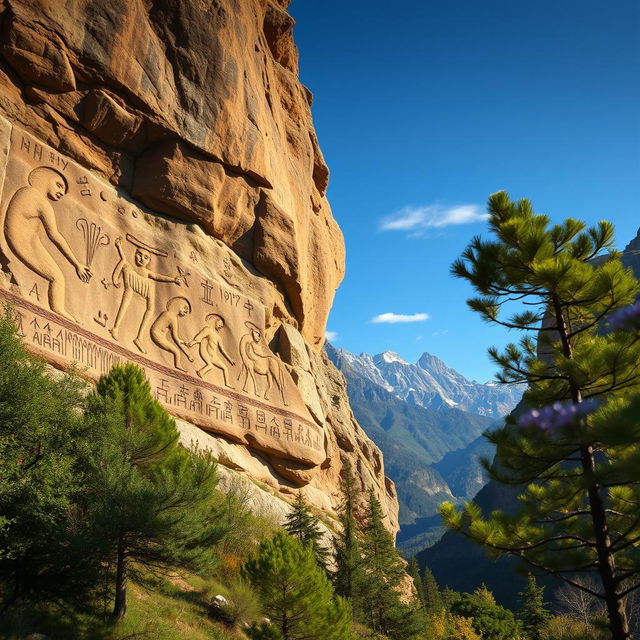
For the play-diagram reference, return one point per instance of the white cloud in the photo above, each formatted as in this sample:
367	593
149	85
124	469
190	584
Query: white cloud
331	335
395	318
433	216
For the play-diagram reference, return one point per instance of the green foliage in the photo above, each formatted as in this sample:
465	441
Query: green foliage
533	612
414	572
490	621
432	597
152	500
346	543
301	524
264	631
159	609
243	602
377	593
446	626
41	443
578	511
566	627
296	594
242	528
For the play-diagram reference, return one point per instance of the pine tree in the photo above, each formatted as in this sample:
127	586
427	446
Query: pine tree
42	438
414	573
578	510
152	500
346	543
377	589
432	597
301	524
296	594
533	612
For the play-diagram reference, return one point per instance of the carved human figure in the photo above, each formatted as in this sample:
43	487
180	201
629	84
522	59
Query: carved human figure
257	359
165	332
29	219
212	350
137	279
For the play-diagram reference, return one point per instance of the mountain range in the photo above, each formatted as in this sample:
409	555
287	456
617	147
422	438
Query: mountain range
431	384
428	420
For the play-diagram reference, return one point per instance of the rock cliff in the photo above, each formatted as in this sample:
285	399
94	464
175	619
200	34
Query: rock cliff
164	202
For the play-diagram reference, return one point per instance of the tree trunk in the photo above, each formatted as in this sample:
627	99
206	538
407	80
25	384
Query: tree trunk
606	562
120	605
618	622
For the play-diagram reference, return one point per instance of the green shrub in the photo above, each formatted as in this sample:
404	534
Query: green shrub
243	602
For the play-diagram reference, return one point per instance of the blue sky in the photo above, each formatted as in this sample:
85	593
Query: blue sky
425	108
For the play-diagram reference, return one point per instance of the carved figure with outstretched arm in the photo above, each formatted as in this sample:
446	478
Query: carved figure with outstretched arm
137	279
29	219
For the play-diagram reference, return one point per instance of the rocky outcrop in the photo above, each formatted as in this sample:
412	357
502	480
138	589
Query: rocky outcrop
196	109
181	131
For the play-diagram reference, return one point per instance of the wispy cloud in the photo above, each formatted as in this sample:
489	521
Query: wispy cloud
331	336
395	318
432	216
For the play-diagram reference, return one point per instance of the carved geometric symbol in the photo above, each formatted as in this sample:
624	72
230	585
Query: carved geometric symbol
183	274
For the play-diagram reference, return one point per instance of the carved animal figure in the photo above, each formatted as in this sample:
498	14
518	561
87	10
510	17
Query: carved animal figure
137	279
257	359
29	219
165	333
212	350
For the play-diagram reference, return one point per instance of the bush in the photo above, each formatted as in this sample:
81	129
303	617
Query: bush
243	603
566	627
264	631
490	620
243	529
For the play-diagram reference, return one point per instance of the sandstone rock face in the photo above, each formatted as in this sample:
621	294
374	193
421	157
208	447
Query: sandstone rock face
196	109
163	202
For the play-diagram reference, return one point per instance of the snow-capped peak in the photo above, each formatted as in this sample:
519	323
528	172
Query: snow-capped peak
390	356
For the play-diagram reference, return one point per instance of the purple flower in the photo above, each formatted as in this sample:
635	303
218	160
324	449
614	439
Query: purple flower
557	416
626	317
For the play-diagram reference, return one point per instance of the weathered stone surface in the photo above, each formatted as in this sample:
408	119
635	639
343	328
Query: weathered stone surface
108	120
37	58
219	80
182	129
292	348
173	179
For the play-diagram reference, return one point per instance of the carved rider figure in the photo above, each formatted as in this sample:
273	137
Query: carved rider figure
257	359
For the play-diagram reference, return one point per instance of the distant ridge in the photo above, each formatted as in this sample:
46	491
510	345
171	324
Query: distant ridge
431	383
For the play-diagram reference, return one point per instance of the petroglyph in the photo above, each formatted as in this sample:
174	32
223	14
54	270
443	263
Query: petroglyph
92	286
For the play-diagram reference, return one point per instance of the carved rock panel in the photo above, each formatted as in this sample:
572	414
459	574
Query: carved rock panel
94	280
